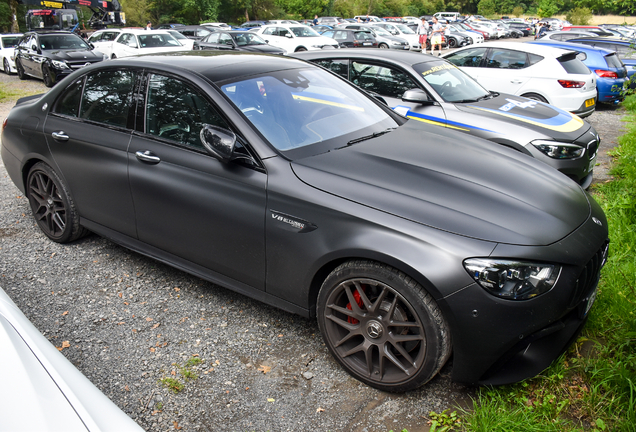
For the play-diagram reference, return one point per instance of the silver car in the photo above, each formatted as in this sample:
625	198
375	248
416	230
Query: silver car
384	38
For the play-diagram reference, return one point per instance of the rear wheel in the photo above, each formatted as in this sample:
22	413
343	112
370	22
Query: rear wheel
52	205
6	67
535	96
382	326
299	49
383	46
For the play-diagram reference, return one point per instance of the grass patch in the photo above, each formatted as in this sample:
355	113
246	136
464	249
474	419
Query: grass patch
592	387
186	372
11	93
172	384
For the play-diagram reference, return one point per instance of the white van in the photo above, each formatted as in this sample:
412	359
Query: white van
448	16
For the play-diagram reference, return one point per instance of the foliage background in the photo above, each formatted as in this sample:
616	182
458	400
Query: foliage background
138	12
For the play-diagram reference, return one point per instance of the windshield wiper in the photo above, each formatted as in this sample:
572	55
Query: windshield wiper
367	137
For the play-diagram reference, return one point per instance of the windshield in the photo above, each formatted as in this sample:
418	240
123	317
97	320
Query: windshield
300	107
247	38
62	41
157	40
450	83
10	41
176	34
303	31
404	29
380	31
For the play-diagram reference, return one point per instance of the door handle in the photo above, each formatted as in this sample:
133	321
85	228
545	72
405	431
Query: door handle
60	136
148	157
516	81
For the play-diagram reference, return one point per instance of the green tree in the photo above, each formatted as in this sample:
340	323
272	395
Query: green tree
487	7
548	8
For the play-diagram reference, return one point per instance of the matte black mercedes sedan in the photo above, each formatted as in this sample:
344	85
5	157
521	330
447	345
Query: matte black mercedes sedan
432	90
277	179
50	56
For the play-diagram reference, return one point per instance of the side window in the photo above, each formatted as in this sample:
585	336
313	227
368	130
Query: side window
108	97
270	31
68	103
506	59
328	33
203	32
213	38
176	111
383	80
470	57
341	35
96	37
109	36
283	32
188	33
225	39
341	67
123	39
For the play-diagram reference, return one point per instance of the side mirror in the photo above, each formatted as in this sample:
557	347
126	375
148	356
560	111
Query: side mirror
218	142
288	35
90	44
417	96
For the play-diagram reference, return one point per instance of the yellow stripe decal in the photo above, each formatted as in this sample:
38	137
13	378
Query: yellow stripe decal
437	123
573	124
324	102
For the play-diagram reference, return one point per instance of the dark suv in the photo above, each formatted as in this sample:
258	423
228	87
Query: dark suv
52	55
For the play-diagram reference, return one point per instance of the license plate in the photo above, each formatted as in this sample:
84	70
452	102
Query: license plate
589	103
367	43
590	302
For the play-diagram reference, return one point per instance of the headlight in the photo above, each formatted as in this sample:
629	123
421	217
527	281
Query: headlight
57	64
557	150
513	280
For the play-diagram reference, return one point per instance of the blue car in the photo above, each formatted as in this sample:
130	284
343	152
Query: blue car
624	48
609	69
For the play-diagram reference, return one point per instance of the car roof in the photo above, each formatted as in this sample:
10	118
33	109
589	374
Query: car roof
405	58
143	31
526	47
603	39
571	46
217	66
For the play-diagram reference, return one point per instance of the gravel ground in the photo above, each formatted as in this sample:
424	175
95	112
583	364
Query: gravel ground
130	322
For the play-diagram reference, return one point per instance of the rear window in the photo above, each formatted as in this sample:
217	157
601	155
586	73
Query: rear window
572	64
613	61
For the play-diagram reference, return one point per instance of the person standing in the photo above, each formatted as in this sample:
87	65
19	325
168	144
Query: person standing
436	36
315	19
148	25
422	31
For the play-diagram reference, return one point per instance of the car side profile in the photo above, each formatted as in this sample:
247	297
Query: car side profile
8	43
282	181
236	41
294	38
349	38
136	42
432	90
553	76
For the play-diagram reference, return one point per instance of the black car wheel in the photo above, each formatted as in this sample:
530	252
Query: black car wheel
52	206
535	96
20	69
299	49
48	76
382	326
452	43
6	67
383	46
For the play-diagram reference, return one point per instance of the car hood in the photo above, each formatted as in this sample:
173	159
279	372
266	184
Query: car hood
547	120
452	182
76	55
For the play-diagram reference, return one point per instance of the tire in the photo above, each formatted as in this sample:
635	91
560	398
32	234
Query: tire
20	69
383	46
452	43
47	76
113	56
300	49
358	306
52	205
535	96
6	67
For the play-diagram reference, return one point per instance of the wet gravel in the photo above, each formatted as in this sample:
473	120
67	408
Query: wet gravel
131	322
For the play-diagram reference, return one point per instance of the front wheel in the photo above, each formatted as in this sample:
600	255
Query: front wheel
47	76
382	326
383	46
6	67
20	69
452	43
52	205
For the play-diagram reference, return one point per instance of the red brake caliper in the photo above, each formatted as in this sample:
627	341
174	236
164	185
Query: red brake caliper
356	296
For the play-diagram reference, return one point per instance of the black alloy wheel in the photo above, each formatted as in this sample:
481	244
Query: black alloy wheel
52	206
20	69
452	42
48	76
382	326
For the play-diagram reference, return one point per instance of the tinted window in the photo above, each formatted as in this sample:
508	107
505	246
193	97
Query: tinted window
107	97
68	103
573	65
62	41
534	59
10	41
225	39
383	80
341	67
176	111
470	57
613	61
506	59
